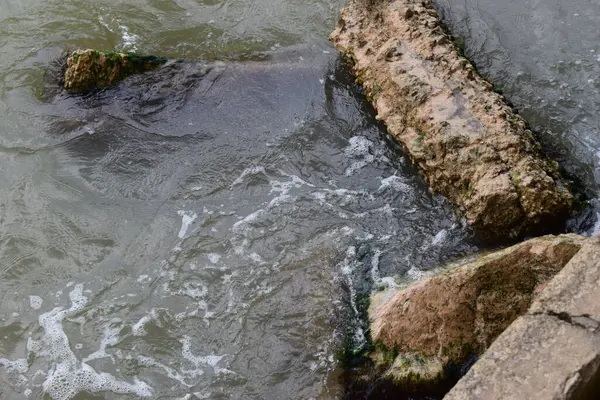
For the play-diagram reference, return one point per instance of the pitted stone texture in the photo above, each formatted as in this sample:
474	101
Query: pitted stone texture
89	69
470	146
551	353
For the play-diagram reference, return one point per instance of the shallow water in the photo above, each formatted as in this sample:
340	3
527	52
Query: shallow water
205	230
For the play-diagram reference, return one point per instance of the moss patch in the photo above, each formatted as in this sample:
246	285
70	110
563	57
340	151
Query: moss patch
89	69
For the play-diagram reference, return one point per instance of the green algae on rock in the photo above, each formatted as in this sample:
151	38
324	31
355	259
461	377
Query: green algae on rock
89	69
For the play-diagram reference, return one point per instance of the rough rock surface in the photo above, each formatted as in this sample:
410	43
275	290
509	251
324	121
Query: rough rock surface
445	319
469	144
552	352
88	69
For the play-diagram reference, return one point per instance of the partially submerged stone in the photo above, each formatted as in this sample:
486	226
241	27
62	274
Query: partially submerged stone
469	144
441	322
88	69
552	352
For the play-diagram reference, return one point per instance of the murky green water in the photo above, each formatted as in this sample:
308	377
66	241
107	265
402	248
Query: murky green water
202	231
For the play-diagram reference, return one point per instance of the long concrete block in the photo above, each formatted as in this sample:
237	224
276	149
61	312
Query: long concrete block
469	144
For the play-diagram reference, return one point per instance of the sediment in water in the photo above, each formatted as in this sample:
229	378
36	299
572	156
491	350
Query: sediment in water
469	144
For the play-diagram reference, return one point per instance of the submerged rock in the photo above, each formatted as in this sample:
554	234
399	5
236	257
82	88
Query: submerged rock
552	352
469	144
425	330
88	69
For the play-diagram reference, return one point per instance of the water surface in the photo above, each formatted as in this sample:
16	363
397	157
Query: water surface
204	231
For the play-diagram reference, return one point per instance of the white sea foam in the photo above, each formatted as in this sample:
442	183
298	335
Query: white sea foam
187	218
394	182
284	187
170	372
139	328
110	337
214	257
358	148
440	237
241	225
130	40
246	172
347	268
35	302
19	366
279	200
211	361
195	290
68	376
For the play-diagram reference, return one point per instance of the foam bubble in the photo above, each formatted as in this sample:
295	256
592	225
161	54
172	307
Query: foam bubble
68	376
187	218
65	382
17	366
35	302
214	257
129	39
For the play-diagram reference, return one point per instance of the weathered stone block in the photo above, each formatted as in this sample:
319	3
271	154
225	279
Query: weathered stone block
539	357
554	351
469	144
575	291
448	318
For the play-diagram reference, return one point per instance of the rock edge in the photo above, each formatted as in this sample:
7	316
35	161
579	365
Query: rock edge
440	322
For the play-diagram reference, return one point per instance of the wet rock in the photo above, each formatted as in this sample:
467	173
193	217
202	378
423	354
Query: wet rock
88	69
552	352
469	144
432	326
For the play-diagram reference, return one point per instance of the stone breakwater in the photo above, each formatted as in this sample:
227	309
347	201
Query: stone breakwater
457	314
469	144
552	352
529	311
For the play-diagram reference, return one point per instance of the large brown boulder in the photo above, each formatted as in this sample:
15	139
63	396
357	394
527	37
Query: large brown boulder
441	321
553	351
469	144
88	69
